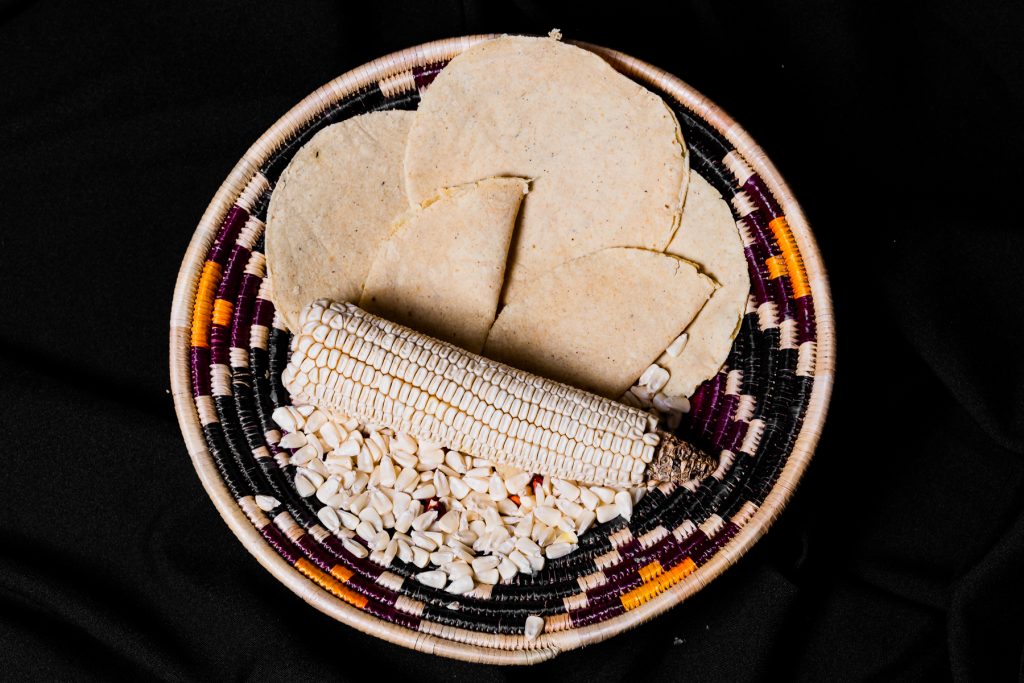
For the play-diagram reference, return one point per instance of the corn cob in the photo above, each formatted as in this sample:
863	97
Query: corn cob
346	359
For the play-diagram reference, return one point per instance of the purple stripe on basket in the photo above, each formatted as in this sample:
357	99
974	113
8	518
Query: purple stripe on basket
315	553
594	614
758	227
737	432
228	288
781	297
264	314
723	419
366	568
623	573
338	552
697	543
668	552
330	552
425	75
698	400
619	580
392	615
630	549
229	229
762	252
806	327
243	311
361	567
220	335
620	584
220	339
374	591
757	278
278	542
200	361
365	573
602	593
715	388
724	535
661	547
758	191
675	553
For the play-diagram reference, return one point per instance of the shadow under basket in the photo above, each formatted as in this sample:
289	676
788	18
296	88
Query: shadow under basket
763	412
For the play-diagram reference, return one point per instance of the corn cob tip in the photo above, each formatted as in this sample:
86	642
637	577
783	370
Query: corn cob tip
679	461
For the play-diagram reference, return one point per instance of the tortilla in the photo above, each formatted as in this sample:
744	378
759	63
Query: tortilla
605	155
440	272
709	237
597	322
331	209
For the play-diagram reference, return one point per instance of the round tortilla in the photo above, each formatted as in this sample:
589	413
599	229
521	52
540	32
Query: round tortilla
440	272
332	207
597	322
709	237
605	155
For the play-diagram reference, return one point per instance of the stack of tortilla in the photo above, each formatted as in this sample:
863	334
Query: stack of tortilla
548	219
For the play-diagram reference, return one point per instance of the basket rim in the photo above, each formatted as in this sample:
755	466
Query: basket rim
455	643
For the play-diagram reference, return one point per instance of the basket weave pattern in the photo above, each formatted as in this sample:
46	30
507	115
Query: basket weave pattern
763	412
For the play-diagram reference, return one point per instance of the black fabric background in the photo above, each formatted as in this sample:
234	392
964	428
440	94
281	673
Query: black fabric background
896	124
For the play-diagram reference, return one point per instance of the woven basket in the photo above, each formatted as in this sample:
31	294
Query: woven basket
763	411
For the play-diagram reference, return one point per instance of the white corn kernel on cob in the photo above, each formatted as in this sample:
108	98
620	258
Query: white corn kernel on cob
382	372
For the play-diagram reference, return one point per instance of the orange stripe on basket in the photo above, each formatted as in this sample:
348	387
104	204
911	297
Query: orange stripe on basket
776	267
204	304
222	312
329	583
658	584
632	599
794	264
679	572
648	572
341	572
